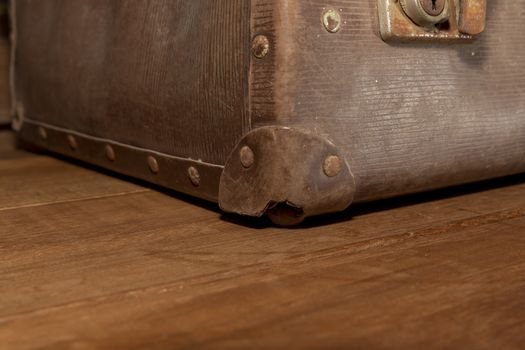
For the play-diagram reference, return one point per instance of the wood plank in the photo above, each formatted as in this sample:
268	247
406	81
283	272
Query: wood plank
35	181
161	239
30	179
8	146
458	286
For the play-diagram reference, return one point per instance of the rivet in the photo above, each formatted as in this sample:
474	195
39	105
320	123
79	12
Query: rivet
331	20
153	164
72	142
42	133
332	166
194	175
247	157
260	46
110	153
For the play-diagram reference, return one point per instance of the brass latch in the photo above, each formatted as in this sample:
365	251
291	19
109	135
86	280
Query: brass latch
431	19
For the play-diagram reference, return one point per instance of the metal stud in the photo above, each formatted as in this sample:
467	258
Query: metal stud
42	133
153	165
260	46
331	20
72	142
194	176
247	157
332	166
110	153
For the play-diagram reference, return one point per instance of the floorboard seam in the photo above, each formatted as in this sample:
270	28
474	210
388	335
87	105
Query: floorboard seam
36	205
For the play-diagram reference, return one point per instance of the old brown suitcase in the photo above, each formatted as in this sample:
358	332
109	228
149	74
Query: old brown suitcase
5	114
293	108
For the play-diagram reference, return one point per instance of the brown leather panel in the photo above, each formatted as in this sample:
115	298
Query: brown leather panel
409	117
5	55
175	77
165	75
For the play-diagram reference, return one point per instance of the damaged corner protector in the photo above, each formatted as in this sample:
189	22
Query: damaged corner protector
289	175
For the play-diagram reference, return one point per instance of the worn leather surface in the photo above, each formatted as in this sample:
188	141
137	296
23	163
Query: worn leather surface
409	117
165	75
5	58
177	77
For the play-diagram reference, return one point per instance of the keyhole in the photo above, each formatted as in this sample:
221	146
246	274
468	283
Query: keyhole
434	5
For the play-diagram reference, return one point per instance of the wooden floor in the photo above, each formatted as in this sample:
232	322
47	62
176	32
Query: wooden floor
88	260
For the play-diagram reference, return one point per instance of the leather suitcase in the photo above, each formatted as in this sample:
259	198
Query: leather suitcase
290	108
5	114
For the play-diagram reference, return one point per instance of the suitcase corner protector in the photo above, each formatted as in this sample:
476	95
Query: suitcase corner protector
286	173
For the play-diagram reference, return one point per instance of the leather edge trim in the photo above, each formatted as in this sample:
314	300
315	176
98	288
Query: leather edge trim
188	176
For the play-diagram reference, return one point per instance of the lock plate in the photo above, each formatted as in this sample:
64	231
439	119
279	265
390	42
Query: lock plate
431	20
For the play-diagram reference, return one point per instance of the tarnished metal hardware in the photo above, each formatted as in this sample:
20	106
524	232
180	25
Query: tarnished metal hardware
194	176
296	175
433	7
260	46
427	20
72	142
426	13
472	17
42	133
332	166
153	165
331	20
247	157
110	153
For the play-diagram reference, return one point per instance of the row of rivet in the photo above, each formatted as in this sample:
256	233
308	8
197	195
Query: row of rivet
332	165
152	162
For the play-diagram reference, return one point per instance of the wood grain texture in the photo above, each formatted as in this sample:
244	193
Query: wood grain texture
72	180
408	116
29	180
148	270
7	145
170	76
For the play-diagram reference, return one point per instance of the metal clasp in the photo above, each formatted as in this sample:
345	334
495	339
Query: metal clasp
446	20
